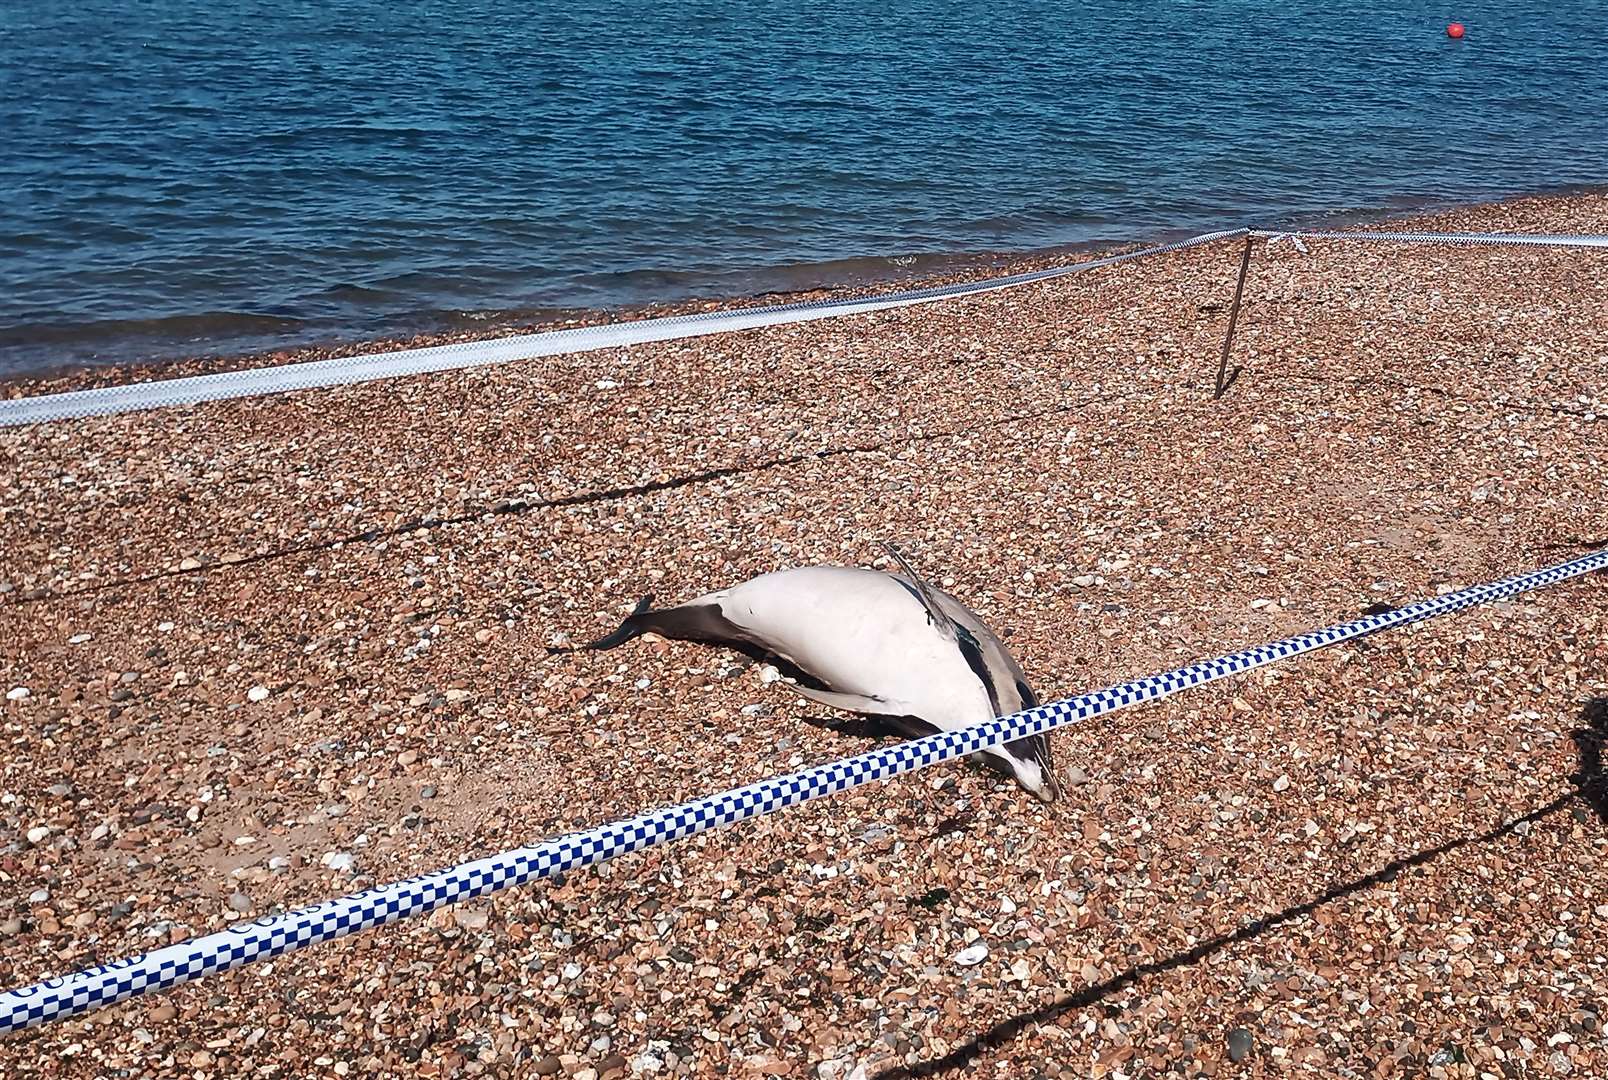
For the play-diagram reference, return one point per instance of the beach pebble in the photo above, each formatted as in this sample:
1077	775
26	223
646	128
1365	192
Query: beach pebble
1282	783
38	834
258	693
972	955
1239	1044
240	902
17	693
339	861
471	918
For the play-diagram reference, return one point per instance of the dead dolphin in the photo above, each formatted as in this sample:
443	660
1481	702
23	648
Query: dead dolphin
866	642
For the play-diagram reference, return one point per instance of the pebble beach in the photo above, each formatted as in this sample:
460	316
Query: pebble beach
260	653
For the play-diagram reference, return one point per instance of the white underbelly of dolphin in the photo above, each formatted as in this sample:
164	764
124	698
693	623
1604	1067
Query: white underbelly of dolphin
862	634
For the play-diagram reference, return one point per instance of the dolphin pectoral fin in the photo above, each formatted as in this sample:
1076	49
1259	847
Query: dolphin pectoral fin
855	703
911	727
936	616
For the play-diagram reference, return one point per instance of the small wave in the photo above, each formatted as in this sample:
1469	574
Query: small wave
201	324
359	294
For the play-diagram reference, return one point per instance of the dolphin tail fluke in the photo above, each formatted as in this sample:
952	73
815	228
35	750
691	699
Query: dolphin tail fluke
632	627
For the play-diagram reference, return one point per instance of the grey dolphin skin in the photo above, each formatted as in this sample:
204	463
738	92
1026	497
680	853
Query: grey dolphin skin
868	642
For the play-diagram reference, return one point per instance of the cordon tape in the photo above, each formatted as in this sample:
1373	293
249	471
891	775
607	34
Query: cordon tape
274	935
342	371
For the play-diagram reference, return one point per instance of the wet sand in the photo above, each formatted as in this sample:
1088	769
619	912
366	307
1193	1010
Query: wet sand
1381	860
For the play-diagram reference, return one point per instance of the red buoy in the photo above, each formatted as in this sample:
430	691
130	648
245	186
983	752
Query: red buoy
1455	30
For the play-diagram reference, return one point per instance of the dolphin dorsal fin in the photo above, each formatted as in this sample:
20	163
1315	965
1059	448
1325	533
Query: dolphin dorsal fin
936	616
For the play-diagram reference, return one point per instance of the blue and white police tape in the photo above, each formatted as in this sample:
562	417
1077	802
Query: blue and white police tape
346	370
55	999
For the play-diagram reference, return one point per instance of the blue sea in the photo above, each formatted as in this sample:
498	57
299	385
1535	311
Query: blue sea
181	177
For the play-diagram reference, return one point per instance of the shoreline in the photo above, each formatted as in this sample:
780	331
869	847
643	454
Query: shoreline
936	269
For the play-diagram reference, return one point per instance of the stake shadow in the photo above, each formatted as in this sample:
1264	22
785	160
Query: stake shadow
1591	787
